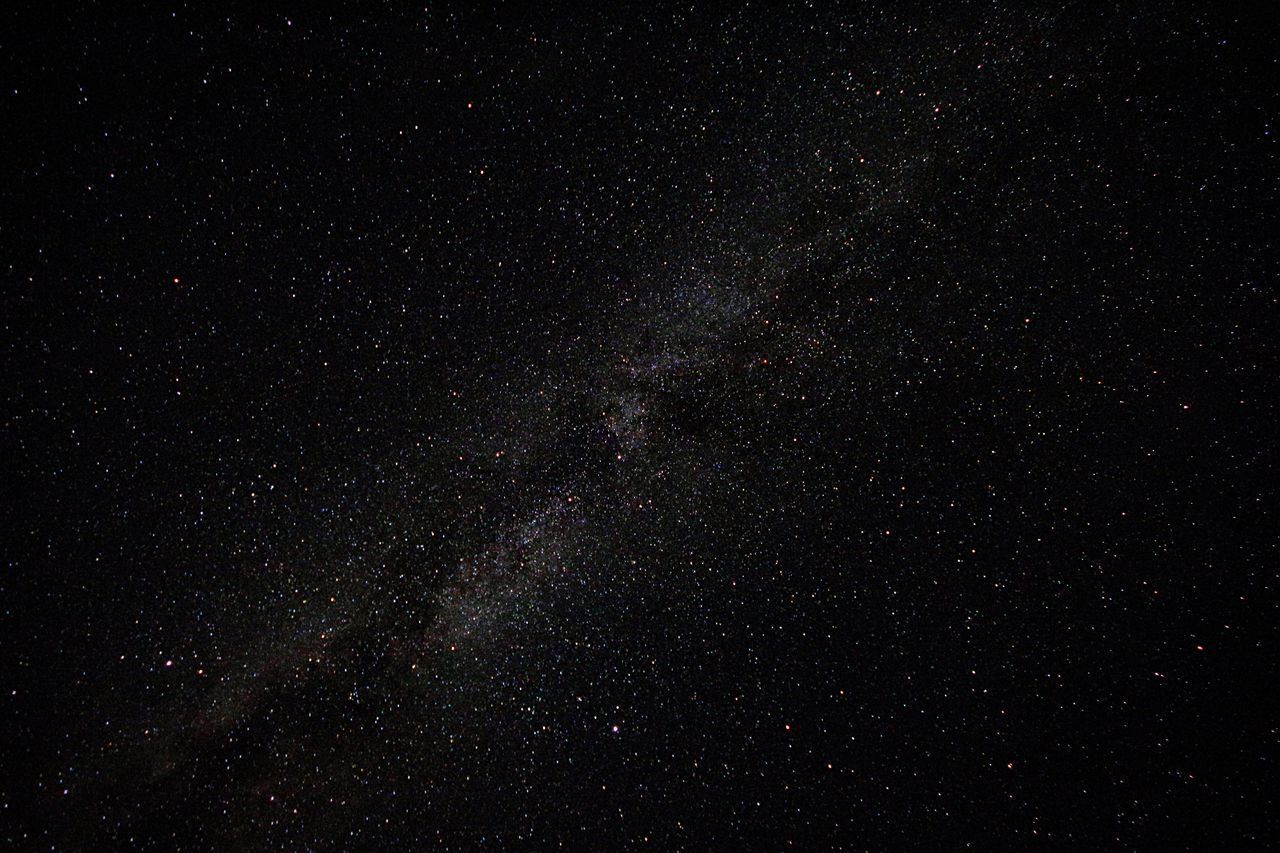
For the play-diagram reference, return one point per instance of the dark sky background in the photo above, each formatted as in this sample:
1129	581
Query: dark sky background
626	427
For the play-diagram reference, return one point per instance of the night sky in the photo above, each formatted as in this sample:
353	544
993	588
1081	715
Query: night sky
621	427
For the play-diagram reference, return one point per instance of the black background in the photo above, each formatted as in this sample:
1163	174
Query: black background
634	426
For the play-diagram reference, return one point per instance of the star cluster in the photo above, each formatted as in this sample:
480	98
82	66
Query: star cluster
633	427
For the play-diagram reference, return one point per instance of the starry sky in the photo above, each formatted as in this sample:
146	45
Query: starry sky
618	426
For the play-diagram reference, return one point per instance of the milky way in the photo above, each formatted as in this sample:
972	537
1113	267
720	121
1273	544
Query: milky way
630	428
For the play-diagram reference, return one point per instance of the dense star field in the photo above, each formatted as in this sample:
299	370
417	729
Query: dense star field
631	427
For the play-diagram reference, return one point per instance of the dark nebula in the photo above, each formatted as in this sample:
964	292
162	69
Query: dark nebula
632	427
